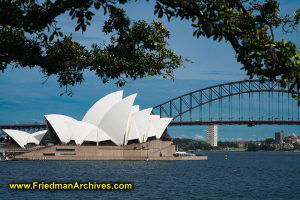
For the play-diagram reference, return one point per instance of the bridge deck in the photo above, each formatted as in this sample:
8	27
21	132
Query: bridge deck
181	123
237	122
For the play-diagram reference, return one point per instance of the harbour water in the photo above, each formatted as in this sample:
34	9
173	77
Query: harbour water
243	175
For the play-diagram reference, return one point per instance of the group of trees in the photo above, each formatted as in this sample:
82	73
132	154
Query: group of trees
256	147
30	36
268	147
297	146
264	147
223	144
190	144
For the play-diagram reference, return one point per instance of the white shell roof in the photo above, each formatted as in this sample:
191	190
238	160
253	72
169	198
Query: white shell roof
138	125
39	135
32	140
80	130
96	113
110	118
58	122
115	121
20	137
154	117
36	137
134	109
98	135
157	127
68	129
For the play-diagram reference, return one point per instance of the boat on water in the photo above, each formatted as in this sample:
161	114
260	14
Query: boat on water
183	153
4	159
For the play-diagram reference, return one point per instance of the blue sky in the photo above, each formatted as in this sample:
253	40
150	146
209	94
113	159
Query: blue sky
25	99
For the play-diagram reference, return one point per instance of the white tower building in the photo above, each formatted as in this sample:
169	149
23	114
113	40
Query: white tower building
212	135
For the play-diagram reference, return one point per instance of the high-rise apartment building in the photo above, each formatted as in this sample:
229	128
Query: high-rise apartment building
279	137
212	135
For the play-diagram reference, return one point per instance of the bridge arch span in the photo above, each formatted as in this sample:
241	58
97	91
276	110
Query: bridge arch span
181	105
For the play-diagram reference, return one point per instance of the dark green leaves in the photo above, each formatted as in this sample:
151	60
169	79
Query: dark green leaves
136	49
30	37
248	26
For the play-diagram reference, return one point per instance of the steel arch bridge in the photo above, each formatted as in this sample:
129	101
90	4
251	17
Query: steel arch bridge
249	102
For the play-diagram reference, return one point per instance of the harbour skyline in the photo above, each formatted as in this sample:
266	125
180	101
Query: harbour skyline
41	99
24	97
182	99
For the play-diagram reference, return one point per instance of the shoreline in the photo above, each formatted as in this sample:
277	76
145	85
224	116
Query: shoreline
249	151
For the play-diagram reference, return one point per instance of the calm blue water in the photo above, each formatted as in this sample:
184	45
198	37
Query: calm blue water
269	175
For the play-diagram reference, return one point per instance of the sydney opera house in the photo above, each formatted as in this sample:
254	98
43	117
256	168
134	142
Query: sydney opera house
112	129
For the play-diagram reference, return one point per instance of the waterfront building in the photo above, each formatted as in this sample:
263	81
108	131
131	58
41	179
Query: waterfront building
292	138
279	137
112	120
112	129
212	135
240	144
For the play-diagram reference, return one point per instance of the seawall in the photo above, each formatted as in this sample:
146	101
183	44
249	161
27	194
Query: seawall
151	150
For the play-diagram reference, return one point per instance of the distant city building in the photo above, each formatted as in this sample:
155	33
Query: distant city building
268	141
212	135
282	146
279	137
240	144
291	139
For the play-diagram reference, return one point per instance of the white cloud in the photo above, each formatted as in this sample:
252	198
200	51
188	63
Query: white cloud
198	137
179	136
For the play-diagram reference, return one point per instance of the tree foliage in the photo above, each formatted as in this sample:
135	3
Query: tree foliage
253	147
249	26
190	144
29	37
